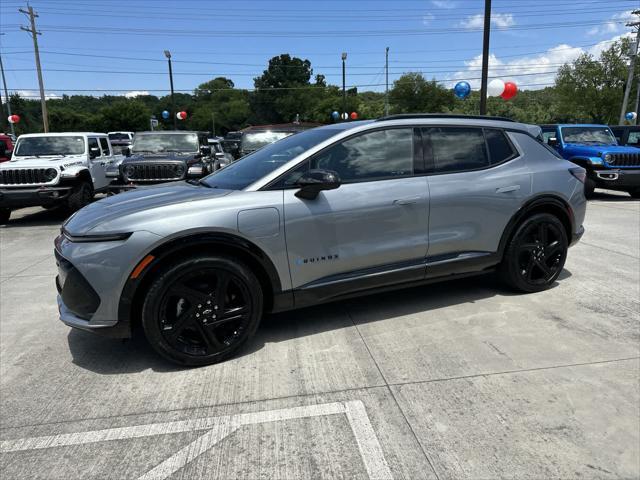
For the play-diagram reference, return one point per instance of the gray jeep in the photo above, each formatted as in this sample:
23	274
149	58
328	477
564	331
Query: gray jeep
325	214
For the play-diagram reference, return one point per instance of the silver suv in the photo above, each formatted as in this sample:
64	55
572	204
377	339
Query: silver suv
325	214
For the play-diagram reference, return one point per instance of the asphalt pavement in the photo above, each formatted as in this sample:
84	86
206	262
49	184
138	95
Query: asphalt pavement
462	379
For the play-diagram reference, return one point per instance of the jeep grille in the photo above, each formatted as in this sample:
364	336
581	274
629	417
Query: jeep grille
23	176
154	171
625	160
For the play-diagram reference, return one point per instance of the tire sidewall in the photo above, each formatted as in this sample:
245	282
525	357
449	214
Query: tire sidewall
159	287
510	267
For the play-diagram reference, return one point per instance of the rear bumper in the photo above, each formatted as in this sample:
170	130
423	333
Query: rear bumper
32	197
616	179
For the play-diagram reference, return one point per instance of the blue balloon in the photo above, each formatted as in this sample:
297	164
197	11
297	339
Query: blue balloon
335	115
630	116
462	89
165	114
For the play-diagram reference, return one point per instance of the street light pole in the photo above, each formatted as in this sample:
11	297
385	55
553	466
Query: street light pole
167	54
344	87
386	88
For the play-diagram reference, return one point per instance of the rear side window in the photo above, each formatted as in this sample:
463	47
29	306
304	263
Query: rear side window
458	149
500	149
105	146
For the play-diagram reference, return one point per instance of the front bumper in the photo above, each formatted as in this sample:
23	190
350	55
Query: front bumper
32	197
575	238
616	179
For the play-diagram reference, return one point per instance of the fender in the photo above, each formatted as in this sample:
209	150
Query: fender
262	265
586	162
541	203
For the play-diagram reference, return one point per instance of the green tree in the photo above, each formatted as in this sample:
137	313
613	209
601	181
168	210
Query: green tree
412	93
125	115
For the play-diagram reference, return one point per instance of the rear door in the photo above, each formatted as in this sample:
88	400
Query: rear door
477	183
376	222
97	164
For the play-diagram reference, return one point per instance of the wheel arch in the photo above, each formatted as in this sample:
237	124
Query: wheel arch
546	203
584	162
132	295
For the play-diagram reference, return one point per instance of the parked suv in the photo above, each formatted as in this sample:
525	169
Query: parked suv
53	169
325	214
165	156
594	148
627	135
120	140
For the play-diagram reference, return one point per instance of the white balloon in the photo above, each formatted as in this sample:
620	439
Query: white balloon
495	87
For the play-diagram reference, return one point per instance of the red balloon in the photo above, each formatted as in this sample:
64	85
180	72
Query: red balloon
14	118
181	115
354	116
510	90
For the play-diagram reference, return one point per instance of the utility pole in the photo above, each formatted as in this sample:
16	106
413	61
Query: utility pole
637	101
386	88
167	54
632	63
6	96
344	88
213	124
485	57
34	33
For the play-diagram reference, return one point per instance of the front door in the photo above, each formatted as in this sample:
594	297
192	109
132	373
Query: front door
373	225
97	164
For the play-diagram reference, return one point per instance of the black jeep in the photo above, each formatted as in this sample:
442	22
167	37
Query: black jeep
165	156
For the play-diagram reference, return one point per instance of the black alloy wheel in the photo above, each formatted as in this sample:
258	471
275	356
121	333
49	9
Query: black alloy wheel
202	310
536	255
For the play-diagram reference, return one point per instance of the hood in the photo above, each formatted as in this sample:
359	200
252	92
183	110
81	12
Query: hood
597	150
36	162
131	210
159	157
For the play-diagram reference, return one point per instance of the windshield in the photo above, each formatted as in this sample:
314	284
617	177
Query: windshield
166	142
242	173
588	135
49	145
119	136
255	140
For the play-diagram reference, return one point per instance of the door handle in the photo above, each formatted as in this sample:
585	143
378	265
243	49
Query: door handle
407	201
510	188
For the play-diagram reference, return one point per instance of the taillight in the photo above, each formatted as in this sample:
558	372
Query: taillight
579	172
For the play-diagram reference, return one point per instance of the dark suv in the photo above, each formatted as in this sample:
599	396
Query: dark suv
627	135
157	157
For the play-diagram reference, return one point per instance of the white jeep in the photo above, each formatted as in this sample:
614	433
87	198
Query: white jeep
54	169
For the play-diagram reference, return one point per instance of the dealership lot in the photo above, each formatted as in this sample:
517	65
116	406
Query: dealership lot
454	380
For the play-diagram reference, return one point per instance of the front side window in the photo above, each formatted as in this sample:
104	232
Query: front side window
547	134
94	148
371	156
49	145
634	138
458	149
588	135
165	142
105	146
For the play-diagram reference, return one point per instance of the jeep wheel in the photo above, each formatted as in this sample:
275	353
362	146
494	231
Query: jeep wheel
536	254
589	187
635	193
5	213
202	310
80	196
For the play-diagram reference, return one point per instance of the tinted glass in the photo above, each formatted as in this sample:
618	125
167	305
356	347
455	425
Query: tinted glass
371	156
93	143
499	147
588	135
458	149
255	140
165	142
251	168
634	138
50	145
105	146
547	134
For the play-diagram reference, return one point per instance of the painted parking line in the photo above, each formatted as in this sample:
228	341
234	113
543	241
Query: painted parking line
216	429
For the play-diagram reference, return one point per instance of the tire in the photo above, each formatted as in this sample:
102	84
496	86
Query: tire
635	193
536	254
180	314
80	196
589	187
5	214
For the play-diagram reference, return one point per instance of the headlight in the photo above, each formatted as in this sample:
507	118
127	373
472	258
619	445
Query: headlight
50	174
609	158
108	237
179	169
129	170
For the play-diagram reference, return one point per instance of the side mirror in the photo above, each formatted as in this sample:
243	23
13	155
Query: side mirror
314	181
94	152
552	142
126	151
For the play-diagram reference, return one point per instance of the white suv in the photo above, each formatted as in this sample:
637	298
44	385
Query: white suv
52	169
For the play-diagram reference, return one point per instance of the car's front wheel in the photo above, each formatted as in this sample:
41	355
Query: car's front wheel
202	310
536	254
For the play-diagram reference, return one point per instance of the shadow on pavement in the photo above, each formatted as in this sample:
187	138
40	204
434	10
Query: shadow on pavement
39	218
610	196
108	356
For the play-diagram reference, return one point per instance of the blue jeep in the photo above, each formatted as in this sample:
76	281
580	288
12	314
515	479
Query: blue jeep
594	147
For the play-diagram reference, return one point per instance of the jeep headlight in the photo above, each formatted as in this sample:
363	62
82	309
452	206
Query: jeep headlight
179	170
50	174
129	170
609	158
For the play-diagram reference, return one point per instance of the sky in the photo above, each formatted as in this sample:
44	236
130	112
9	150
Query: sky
115	47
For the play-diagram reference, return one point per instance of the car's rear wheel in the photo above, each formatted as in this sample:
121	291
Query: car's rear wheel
536	254
5	214
202	310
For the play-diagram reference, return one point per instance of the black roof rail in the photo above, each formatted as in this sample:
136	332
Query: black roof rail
411	116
